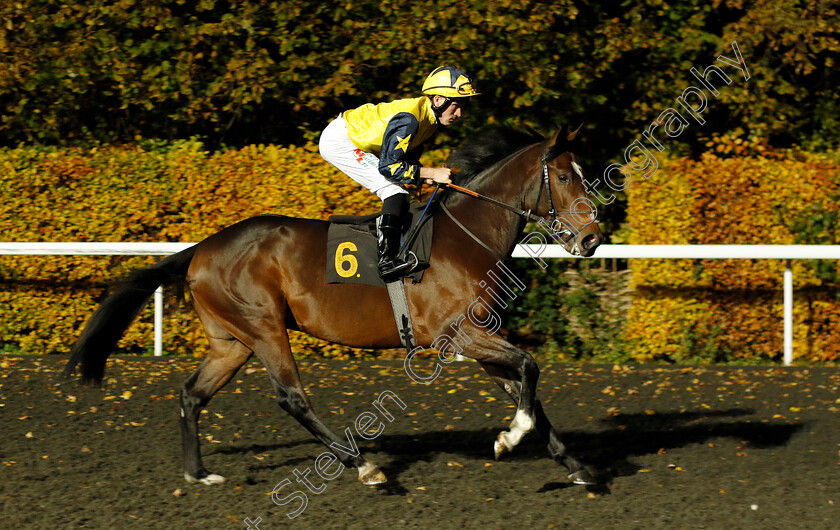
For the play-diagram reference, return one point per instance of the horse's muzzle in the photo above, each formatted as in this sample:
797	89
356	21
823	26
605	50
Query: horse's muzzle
588	244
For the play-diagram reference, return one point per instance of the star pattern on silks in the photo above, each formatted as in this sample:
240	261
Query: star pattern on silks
406	169
402	143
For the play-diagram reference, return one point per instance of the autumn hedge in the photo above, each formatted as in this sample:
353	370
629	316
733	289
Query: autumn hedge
680	310
713	310
161	192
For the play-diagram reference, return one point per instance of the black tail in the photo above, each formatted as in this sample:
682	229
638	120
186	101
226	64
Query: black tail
112	318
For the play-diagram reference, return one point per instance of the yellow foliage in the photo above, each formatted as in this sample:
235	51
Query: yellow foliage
770	198
127	193
657	324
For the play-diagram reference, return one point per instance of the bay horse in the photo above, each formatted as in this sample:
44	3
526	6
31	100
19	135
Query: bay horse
254	280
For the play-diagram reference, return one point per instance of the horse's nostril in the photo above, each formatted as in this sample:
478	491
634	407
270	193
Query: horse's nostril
590	242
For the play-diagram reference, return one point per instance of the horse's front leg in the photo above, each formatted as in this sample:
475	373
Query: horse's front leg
556	448
524	420
509	359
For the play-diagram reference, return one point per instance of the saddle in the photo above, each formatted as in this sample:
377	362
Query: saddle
352	255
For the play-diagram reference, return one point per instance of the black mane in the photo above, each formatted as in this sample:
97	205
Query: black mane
488	147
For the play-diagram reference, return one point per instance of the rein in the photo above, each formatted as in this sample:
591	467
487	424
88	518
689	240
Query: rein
525	214
566	235
469	233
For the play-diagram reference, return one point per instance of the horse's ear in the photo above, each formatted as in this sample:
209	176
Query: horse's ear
557	138
572	135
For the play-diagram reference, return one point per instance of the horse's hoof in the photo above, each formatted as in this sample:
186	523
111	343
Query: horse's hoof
209	480
370	475
499	446
582	477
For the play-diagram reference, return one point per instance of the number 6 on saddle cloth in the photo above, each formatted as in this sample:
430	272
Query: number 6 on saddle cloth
351	247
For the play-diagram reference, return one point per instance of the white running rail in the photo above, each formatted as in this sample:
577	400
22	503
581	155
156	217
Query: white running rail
784	252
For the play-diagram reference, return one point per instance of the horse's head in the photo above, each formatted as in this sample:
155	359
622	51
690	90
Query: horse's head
542	180
561	198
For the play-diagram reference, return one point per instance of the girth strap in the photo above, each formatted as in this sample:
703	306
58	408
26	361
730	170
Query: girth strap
399	303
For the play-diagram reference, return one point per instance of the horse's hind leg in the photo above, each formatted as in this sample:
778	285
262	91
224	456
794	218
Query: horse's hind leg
276	355
507	380
221	364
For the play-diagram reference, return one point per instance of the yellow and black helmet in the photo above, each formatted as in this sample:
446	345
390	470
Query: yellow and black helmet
449	82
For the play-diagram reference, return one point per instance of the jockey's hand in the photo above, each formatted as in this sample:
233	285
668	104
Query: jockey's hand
432	175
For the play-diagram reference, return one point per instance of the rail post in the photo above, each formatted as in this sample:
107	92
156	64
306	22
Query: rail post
788	314
159	321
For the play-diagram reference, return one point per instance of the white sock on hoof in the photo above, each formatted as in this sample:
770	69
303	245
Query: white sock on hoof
522	422
209	480
373	474
519	427
365	469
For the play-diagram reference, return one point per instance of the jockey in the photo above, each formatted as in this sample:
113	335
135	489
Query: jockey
379	147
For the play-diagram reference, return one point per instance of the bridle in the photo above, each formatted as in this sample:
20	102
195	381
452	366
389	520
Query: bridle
563	233
546	183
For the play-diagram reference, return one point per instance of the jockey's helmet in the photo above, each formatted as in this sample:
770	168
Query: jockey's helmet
449	82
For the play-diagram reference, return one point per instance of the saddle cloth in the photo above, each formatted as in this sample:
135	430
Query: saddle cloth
352	256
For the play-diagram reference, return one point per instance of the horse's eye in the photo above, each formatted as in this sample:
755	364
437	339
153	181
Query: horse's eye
563	177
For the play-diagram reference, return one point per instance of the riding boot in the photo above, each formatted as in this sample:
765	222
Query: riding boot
391	267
